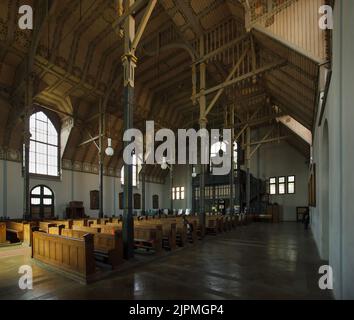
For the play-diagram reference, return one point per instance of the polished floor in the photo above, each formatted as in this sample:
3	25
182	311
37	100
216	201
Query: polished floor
259	261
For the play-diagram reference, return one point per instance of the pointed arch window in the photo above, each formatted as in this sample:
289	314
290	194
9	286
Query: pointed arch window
44	146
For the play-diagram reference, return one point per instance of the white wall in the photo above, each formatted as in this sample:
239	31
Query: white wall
182	177
339	115
72	186
280	159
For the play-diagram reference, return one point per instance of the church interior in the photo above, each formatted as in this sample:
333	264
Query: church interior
265	86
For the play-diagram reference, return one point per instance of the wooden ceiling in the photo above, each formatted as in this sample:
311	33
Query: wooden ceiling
78	62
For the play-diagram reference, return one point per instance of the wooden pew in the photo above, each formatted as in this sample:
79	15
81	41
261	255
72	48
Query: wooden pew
168	231
212	225
56	230
73	256
28	232
2	232
181	229
146	236
107	228
80	223
107	247
45	226
87	229
181	233
98	221
66	223
15	228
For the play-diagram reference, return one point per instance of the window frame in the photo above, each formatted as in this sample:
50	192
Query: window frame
42	197
52	118
178	193
287	184
275	185
282	183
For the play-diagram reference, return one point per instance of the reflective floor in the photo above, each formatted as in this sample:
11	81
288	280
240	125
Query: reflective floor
260	261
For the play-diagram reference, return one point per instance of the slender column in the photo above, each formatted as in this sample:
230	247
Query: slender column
101	160
232	173
239	184
248	165
129	64
143	182
171	186
202	124
26	148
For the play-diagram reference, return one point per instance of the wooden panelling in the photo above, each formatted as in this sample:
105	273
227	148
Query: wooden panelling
2	232
74	256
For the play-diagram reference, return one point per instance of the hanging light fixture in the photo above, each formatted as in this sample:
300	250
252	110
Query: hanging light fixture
109	149
194	173
164	165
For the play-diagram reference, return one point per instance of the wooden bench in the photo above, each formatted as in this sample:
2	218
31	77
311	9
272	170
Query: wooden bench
98	221
45	226
148	237
87	229
109	228
66	223
80	223
168	231
108	248
56	230
212	225
15	228
75	257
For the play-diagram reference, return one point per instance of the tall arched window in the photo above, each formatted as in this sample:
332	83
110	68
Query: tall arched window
135	172
44	146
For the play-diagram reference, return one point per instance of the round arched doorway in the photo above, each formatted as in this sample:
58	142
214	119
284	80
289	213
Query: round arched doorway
42	202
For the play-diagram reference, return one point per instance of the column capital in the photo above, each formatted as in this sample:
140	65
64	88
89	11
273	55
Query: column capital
129	61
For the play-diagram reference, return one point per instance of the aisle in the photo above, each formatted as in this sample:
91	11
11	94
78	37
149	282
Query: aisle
260	261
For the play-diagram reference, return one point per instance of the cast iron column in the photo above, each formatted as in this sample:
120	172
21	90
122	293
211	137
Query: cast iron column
129	64
232	162
171	186
202	124
26	148
143	181
101	160
248	163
